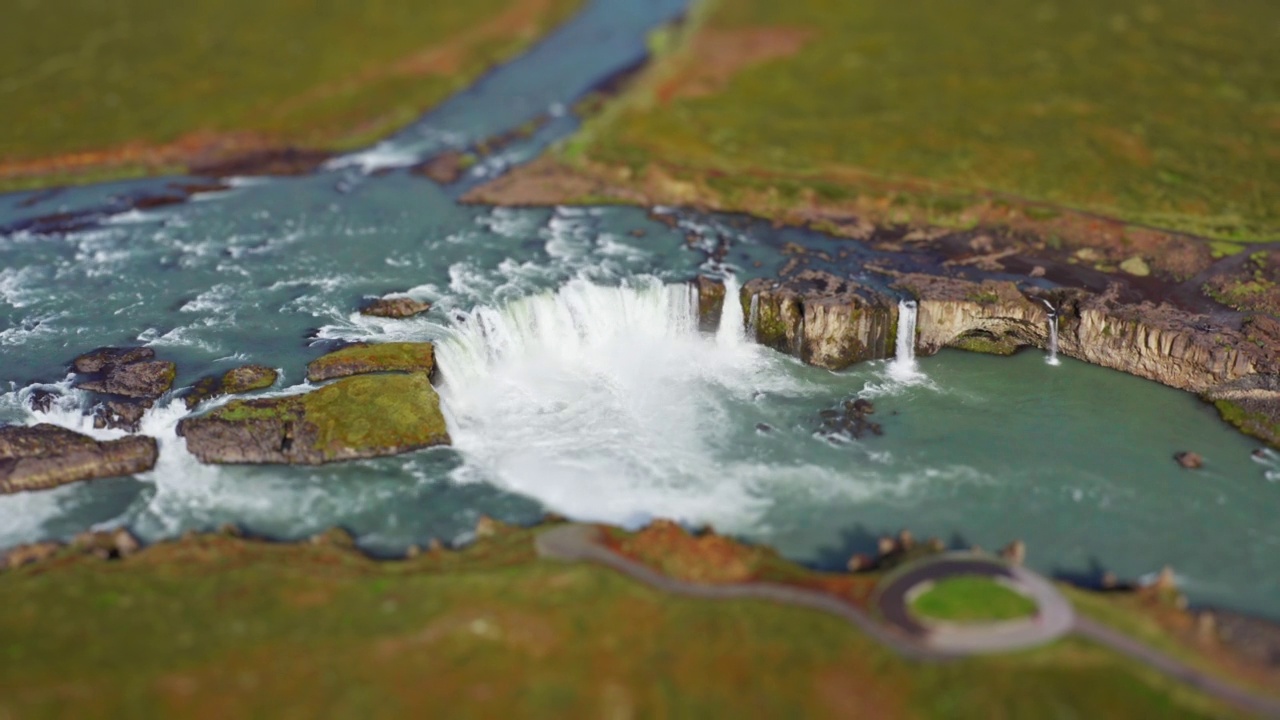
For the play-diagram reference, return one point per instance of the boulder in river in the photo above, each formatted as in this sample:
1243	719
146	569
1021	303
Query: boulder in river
98	360
45	456
236	381
356	417
396	307
1189	460
383	357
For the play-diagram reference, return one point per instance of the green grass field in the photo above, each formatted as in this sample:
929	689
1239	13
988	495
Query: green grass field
218	627
1159	113
86	76
971	599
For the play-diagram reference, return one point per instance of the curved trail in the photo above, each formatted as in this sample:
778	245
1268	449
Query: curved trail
578	542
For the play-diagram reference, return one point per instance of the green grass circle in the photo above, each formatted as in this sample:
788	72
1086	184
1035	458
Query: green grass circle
971	598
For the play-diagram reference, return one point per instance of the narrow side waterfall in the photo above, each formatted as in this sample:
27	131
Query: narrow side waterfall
903	366
753	320
732	324
1052	357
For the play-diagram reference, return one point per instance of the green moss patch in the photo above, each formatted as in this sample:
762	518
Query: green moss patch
383	357
971	598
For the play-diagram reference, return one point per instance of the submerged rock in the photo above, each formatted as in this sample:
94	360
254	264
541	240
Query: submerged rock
1189	460
398	307
356	417
236	381
42	400
45	456
384	357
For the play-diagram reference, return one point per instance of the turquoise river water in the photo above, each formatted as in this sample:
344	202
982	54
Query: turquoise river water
574	377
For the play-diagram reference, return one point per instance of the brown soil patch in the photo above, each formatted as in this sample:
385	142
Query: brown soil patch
719	54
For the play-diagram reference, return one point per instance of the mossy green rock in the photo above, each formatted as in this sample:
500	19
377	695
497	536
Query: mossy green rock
236	381
383	357
357	417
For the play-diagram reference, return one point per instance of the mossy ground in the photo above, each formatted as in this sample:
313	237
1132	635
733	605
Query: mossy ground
90	76
217	626
1163	114
366	411
971	599
380	357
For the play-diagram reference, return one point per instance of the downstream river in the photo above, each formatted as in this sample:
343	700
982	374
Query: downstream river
574	377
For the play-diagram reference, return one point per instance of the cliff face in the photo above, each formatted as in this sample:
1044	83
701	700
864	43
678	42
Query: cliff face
830	322
821	319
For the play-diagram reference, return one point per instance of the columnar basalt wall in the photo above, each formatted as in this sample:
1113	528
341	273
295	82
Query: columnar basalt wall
822	319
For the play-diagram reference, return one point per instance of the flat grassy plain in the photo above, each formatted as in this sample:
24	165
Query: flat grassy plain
1164	114
216	626
79	76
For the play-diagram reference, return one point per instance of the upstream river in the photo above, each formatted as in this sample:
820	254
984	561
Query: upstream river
574	378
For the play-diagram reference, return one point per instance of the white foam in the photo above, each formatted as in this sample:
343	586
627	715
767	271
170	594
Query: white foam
606	403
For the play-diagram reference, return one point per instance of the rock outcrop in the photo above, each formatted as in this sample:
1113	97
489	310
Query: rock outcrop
384	357
45	456
397	307
820	318
1251	404
356	417
1161	343
710	302
236	381
126	372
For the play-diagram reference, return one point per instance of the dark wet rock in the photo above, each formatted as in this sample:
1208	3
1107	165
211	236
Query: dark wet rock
447	167
764	427
236	381
383	357
102	358
822	319
1189	460
710	303
120	415
849	421
399	307
42	400
356	417
45	456
147	379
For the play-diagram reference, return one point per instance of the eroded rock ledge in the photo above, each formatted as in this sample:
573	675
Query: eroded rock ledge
832	322
45	456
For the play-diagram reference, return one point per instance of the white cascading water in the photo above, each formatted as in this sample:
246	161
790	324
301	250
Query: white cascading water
1052	357
903	367
607	403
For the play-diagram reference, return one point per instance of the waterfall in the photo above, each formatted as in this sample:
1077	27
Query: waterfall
732	324
607	403
1052	358
753	321
903	366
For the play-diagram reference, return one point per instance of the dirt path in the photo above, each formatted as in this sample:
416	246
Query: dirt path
579	542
